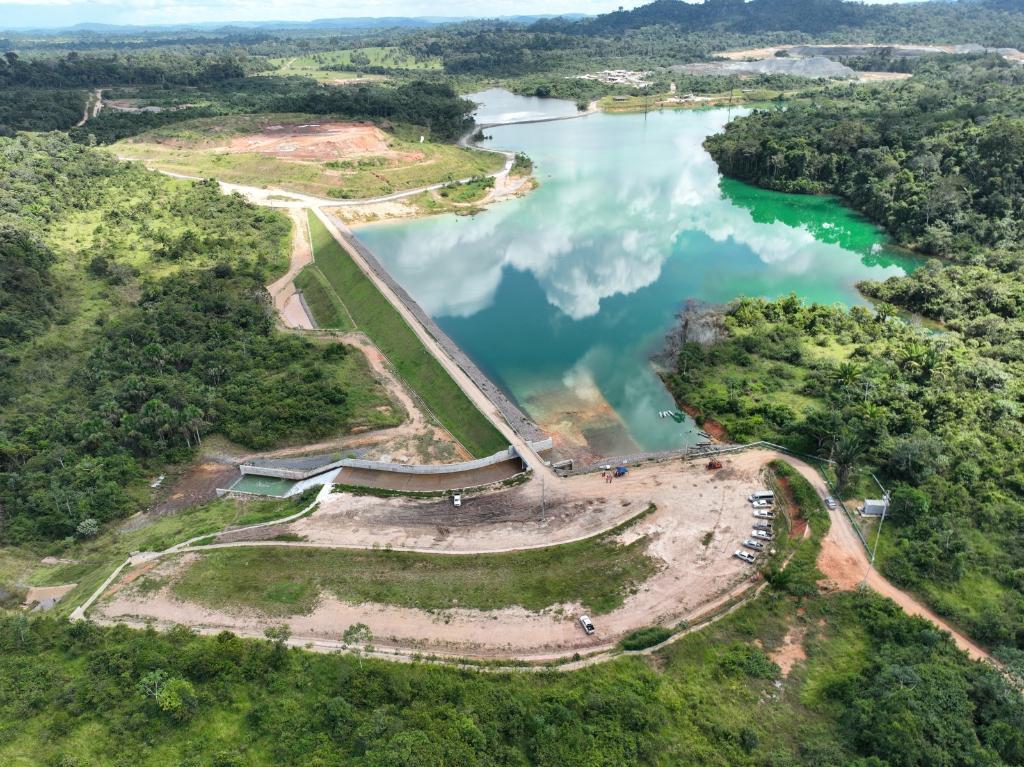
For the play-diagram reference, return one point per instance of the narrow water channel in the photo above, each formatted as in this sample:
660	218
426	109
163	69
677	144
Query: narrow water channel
562	296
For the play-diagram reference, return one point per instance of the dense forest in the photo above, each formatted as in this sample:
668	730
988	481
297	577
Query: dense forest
133	322
880	688
939	161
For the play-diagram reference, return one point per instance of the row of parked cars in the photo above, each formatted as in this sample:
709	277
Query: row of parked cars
761	501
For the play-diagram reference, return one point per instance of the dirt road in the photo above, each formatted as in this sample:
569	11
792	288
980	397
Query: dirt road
845	562
289	307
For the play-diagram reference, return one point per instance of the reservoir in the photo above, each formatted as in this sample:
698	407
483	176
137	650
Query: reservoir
561	296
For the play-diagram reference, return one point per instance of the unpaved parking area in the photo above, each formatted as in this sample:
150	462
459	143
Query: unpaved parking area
691	503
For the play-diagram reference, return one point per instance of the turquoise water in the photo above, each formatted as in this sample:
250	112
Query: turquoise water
252	483
562	296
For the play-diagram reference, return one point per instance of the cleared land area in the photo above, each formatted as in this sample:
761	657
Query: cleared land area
588	547
382	323
306	153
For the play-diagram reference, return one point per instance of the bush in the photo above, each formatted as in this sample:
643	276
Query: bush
644	638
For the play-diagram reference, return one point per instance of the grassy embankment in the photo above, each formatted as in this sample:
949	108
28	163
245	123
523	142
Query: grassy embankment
597	572
196	148
381	322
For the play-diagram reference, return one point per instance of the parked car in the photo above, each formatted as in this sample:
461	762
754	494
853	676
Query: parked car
764	535
762	514
746	556
763	526
762	504
457	500
587	625
750	543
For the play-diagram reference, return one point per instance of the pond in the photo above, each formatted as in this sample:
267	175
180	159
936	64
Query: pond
562	296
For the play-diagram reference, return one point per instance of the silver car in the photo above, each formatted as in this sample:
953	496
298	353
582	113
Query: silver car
750	543
746	556
764	535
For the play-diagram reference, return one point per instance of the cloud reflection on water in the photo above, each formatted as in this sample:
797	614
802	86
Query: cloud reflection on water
603	226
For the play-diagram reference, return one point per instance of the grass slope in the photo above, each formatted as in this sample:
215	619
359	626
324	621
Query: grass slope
328	310
379	320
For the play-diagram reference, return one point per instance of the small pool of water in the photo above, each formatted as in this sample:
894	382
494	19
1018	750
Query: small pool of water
272	486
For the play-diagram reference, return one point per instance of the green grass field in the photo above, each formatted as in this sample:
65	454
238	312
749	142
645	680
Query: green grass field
328	310
283	581
379	320
196	148
348	63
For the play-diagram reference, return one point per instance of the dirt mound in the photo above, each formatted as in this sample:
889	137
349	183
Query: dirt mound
320	141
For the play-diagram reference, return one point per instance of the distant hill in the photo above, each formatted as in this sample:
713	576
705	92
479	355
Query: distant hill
1001	22
353	23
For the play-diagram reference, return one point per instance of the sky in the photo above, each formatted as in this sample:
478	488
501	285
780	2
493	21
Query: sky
62	13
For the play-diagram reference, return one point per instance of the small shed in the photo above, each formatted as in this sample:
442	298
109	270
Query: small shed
874	507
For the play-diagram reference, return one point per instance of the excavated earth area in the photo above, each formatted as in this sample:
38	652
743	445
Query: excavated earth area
320	141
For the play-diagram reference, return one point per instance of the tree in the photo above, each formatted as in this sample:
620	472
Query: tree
152	683
846	450
178	698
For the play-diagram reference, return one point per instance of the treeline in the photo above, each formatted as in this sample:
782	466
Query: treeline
419	102
144	68
902	695
40	110
938	160
100	388
998	23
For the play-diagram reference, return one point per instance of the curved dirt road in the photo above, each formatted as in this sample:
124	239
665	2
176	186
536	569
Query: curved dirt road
844	561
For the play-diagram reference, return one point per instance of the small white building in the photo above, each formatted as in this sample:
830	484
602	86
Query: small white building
874	507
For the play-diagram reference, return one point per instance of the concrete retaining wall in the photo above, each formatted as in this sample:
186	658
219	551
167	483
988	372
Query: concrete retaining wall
439	468
297	474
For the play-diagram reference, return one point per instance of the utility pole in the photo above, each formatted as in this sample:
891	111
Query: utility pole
878	535
543	511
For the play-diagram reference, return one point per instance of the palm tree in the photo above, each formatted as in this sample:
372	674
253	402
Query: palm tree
847	449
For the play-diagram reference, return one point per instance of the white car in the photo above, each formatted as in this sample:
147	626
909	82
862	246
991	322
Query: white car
762	514
457	500
760	504
764	535
587	625
830	502
746	556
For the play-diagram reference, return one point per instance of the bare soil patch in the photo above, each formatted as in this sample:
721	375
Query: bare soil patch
321	142
197	485
791	651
